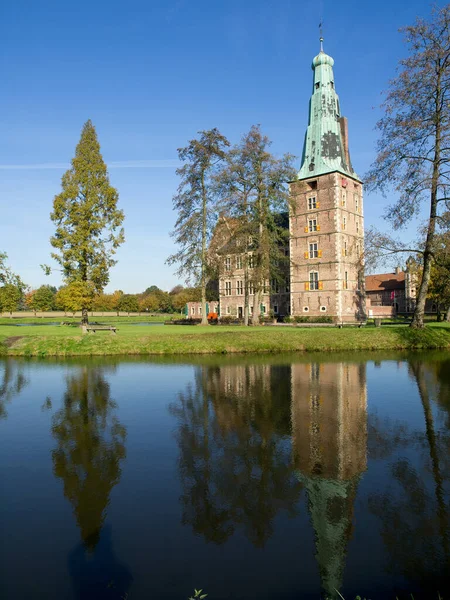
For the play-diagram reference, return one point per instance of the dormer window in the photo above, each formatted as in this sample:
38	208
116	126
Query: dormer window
332	85
312	184
317	85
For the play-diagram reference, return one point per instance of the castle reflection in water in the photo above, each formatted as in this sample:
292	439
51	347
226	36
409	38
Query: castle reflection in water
237	421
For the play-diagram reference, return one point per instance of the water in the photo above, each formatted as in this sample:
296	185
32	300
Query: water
252	478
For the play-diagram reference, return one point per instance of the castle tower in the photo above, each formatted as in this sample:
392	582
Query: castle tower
326	220
329	446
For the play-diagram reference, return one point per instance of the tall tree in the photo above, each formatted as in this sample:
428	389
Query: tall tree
253	184
195	204
88	222
414	149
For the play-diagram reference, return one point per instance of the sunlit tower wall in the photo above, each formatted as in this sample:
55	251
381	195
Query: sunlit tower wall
326	218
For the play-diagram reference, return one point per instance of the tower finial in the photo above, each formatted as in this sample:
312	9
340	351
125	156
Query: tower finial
321	34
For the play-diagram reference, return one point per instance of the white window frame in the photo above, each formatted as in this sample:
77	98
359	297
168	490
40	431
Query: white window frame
239	262
227	288
312	225
314	250
240	288
312	202
313	281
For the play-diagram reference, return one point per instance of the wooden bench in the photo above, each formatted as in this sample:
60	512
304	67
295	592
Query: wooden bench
94	328
359	325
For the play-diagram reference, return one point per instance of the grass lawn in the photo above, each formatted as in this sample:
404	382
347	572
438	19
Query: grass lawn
179	339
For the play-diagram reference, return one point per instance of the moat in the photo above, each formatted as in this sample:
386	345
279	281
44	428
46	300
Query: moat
250	477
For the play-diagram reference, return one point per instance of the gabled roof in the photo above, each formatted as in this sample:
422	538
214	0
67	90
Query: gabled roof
383	282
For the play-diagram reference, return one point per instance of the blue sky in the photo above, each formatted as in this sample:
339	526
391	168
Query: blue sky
152	73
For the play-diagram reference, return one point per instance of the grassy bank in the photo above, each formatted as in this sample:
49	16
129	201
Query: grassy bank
173	340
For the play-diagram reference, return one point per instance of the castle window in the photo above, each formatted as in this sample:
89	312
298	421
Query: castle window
357	226
251	261
240	288
332	85
305	309
192	311
228	310
344	223
312	225
313	250
312	184
356	203
344	198
251	288
312	203
238	262
227	288
228	264
199	310
275	286
251	310
314	280
345	248
275	309
323	309
346	280
317	85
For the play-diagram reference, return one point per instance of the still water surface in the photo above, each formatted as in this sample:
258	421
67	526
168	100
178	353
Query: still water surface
291	477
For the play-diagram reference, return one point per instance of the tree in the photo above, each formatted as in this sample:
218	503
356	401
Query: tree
10	296
414	149
42	299
74	296
150	303
195	203
253	186
128	303
88	222
7	275
12	287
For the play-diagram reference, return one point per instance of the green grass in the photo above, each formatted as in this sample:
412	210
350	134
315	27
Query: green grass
179	339
109	319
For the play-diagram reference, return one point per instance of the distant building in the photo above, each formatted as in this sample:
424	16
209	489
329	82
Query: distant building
388	294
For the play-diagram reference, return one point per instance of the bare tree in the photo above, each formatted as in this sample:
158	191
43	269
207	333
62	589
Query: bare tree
414	148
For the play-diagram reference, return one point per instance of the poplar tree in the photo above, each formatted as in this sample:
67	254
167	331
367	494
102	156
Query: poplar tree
195	204
88	222
253	187
414	147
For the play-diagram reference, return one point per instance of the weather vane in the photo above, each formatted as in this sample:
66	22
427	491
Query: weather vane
321	34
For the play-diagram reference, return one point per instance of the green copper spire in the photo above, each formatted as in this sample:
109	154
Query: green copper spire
326	148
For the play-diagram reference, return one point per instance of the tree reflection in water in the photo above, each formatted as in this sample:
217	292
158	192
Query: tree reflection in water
414	515
90	445
235	464
12	382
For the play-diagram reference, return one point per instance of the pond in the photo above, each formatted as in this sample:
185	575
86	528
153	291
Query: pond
277	478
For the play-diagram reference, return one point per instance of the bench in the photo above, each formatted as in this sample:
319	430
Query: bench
359	325
94	328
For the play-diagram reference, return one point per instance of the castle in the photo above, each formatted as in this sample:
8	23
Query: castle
324	275
326	223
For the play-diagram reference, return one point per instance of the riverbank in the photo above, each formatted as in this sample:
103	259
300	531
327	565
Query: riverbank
179	340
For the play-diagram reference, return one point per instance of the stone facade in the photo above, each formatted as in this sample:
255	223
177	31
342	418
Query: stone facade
326	244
